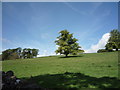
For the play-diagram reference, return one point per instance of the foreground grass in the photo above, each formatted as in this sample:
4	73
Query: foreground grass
90	67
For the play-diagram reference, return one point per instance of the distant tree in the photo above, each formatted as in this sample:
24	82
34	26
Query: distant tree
102	50
26	53
10	54
18	53
35	52
29	53
13	55
114	40
67	44
6	53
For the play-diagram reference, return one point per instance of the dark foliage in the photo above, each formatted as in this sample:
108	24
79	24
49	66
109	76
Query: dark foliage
114	41
102	50
18	53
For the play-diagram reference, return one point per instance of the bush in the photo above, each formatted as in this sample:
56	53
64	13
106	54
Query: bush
110	50
102	50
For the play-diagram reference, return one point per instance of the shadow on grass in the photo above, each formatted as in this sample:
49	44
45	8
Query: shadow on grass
70	56
74	80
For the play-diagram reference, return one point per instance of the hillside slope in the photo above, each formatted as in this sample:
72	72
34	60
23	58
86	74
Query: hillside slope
95	64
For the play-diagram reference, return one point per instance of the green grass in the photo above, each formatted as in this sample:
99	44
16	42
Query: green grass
47	69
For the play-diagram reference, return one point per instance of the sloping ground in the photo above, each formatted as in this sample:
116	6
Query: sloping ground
88	70
97	64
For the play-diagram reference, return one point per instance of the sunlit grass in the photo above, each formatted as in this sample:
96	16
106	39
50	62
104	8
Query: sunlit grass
95	64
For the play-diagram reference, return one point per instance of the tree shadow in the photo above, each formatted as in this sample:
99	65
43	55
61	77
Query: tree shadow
74	80
70	56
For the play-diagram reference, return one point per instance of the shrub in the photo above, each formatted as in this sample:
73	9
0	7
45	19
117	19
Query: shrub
102	50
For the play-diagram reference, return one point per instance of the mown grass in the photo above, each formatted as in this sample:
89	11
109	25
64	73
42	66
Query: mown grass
45	70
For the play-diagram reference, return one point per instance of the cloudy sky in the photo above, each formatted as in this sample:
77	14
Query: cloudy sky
36	24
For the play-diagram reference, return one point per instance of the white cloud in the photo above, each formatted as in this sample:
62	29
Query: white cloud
100	45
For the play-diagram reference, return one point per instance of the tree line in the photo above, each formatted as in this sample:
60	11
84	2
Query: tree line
19	53
67	45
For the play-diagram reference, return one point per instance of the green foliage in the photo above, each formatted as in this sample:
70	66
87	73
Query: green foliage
18	53
102	50
29	53
114	40
109	47
67	44
10	54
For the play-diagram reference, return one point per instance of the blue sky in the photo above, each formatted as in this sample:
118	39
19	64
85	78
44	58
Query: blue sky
36	24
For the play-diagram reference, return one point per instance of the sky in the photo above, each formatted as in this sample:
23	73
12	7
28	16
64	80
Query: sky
37	24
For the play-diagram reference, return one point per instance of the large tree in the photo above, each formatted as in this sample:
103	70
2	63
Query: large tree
114	40
67	44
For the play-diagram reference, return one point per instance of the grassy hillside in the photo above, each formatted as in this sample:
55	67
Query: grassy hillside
98	65
54	68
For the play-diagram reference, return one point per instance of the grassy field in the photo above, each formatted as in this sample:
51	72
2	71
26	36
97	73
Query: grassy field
88	70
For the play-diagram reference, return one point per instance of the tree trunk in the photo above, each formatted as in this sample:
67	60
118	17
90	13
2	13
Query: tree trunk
66	55
116	49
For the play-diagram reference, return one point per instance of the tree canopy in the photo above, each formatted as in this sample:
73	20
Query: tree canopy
67	44
18	53
114	40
